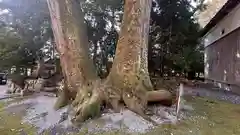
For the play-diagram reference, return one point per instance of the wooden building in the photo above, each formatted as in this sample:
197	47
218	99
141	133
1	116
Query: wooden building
221	38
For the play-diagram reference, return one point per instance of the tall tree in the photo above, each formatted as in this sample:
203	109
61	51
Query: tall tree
102	19
30	21
9	41
174	31
128	80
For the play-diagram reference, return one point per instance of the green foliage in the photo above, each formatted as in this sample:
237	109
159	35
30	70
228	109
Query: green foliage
174	37
101	18
26	32
9	41
30	20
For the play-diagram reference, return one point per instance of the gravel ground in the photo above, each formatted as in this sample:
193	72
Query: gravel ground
39	112
215	94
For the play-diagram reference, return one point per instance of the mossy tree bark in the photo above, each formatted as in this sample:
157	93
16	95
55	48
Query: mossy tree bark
78	69
128	81
130	71
129	76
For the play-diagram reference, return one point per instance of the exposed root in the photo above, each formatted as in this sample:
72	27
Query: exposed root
134	103
162	97
89	100
64	95
87	104
113	98
86	107
138	106
62	100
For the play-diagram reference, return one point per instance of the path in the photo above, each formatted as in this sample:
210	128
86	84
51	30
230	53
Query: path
3	89
3	94
215	94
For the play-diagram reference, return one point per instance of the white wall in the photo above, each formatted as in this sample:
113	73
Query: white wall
228	24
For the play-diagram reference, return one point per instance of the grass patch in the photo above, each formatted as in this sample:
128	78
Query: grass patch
210	117
10	124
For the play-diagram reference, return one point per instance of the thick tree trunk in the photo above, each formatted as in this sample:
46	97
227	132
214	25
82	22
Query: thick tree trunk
72	44
129	74
128	80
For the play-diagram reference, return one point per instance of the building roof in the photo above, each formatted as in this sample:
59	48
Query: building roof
227	8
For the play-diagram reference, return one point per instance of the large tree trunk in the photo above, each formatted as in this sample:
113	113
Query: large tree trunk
129	76
128	80
72	44
129	72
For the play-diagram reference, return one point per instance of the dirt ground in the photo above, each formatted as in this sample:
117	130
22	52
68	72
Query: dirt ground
203	112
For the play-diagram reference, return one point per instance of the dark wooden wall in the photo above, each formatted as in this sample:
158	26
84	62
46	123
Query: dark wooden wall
223	59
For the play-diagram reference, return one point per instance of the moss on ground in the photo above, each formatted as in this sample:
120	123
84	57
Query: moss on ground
10	124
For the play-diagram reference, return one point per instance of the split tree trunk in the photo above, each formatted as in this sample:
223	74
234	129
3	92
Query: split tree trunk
128	80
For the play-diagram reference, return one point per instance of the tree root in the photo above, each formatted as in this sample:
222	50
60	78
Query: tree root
113	98
159	95
162	97
85	108
62	100
88	102
137	106
63	95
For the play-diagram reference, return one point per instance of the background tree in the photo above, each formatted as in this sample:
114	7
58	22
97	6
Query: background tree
8	46
174	34
102	20
29	20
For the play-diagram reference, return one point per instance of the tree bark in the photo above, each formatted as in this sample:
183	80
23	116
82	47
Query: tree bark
128	81
129	74
78	69
72	43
